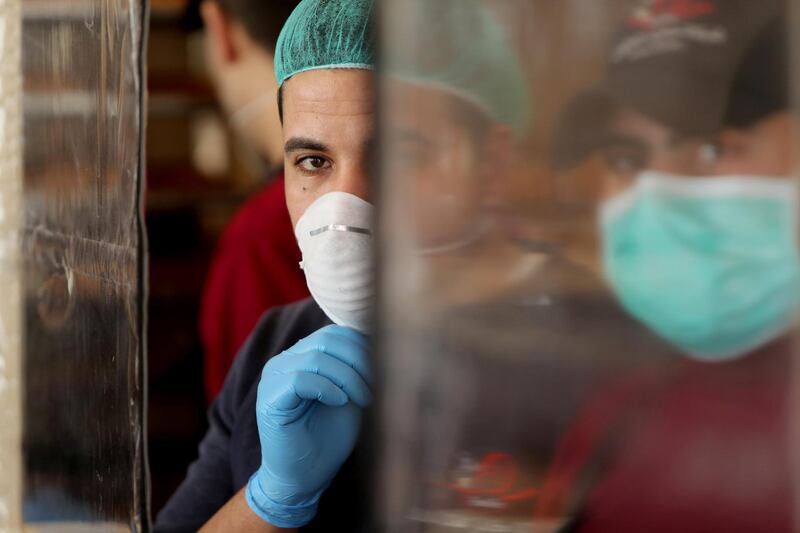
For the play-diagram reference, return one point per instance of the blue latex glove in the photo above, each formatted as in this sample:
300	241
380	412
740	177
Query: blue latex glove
309	414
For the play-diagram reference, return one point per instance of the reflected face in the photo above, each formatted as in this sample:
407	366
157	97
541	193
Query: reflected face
328	131
435	143
765	149
640	144
709	264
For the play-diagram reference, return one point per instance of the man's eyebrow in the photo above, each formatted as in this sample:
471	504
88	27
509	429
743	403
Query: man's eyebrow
303	143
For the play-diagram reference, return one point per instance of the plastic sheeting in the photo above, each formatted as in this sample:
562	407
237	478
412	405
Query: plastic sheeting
80	250
588	285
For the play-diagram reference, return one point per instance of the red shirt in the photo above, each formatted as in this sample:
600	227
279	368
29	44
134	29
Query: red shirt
255	268
704	449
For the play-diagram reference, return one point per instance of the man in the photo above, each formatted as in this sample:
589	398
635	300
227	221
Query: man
452	123
698	226
272	456
255	264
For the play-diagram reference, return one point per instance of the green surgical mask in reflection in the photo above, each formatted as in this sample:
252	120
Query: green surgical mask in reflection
709	264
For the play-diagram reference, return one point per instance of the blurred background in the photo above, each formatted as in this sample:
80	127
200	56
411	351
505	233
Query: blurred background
198	173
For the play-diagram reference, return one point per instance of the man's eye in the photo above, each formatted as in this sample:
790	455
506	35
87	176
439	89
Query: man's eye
312	163
625	162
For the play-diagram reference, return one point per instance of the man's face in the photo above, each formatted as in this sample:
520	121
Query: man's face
432	148
642	144
328	131
690	254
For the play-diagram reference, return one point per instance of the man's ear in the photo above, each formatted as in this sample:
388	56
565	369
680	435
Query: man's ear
220	31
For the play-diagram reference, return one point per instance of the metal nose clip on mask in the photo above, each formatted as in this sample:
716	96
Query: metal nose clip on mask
335	237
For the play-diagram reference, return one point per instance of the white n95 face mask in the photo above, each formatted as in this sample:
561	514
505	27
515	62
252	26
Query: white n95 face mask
335	236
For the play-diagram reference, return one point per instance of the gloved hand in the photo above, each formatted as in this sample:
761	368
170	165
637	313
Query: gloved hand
309	415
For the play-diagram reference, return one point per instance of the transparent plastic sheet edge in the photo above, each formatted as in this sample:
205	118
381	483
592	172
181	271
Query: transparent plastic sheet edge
82	257
794	459
11	348
589	268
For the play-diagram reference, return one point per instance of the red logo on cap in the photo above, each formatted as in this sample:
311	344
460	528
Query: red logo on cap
656	14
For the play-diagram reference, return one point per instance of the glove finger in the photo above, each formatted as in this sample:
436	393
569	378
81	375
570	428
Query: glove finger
359	339
341	374
345	344
350	333
309	386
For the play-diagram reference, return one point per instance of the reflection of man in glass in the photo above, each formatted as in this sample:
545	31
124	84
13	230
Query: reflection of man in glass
504	346
695	171
698	227
456	110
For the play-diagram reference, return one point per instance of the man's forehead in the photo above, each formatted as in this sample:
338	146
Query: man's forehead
331	92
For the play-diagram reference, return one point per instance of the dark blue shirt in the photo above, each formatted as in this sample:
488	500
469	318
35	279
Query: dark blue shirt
231	451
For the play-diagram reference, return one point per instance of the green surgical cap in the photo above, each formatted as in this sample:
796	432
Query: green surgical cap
325	34
459	46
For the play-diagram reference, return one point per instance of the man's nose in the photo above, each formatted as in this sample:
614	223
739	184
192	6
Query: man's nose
356	181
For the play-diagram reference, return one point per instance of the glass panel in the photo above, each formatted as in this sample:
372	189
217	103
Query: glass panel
589	265
82	255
